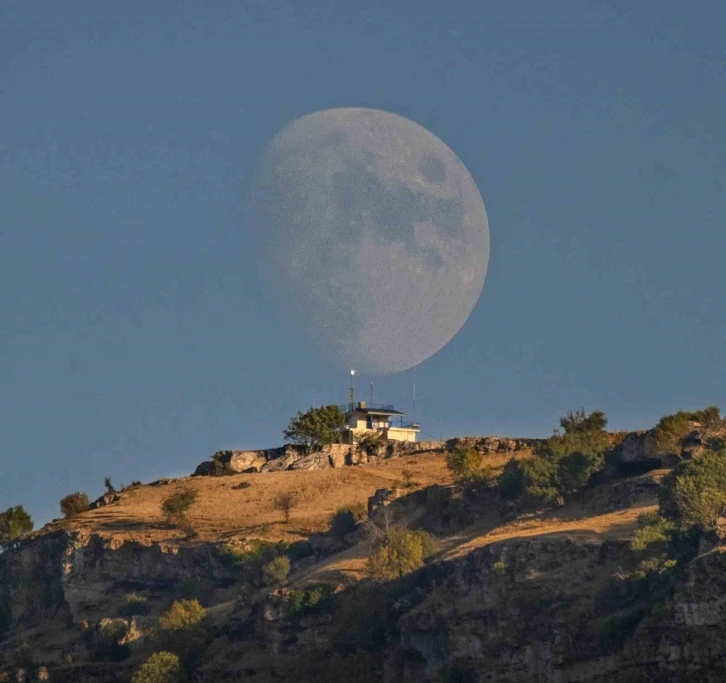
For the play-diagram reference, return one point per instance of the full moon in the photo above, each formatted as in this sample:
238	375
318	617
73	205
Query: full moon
377	236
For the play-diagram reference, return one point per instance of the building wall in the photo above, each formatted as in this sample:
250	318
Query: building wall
400	434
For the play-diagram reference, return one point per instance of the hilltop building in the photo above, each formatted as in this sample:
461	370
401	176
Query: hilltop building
362	418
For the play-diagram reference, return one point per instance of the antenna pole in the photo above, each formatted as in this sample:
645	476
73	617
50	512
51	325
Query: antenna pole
414	394
371	393
352	375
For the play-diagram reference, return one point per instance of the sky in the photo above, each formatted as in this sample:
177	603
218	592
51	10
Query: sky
135	337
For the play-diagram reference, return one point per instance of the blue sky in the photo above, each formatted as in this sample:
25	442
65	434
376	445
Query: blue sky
135	338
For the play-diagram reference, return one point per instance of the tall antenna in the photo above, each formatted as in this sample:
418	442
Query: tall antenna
350	396
371	393
414	394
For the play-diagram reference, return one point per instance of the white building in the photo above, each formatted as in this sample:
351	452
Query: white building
362	418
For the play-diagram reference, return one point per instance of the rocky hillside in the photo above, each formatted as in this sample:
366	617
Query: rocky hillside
513	592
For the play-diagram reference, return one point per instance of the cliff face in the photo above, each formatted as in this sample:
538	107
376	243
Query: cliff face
552	611
549	609
522	611
59	585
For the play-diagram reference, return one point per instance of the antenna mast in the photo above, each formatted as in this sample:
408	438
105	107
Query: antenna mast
414	394
350	396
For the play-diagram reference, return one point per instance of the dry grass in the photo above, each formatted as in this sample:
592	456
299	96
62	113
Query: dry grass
222	512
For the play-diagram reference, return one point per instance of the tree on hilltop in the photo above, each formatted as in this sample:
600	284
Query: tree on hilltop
316	428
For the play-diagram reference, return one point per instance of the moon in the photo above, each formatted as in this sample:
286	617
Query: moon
377	236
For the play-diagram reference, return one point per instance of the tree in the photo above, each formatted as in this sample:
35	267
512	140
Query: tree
74	503
316	428
667	436
579	421
561	465
694	494
285	502
15	523
161	667
109	486
175	508
276	572
400	553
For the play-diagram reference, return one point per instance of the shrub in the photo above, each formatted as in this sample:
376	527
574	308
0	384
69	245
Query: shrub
499	568
134	605
580	422
399	553
175	508
74	504
161	667
694	494
276	572
183	614
308	599
464	465
15	523
511	481
109	486
563	464
285	502
345	520
242	485
667	436
708	417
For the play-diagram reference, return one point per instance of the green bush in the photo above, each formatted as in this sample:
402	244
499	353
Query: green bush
74	503
464	464
183	614
276	572
511	481
134	605
15	523
708	417
667	436
161	667
563	464
308	599
694	494
175	508
399	553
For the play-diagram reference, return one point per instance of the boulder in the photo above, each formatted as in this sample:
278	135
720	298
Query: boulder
244	461
633	448
314	461
284	462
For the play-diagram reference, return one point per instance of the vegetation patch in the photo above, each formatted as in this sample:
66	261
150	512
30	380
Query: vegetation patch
74	503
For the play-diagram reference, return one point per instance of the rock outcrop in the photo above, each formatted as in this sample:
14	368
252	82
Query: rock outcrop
339	455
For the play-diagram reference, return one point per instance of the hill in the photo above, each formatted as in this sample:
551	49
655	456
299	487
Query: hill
512	591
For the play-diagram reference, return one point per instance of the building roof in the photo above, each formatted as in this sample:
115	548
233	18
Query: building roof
373	409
